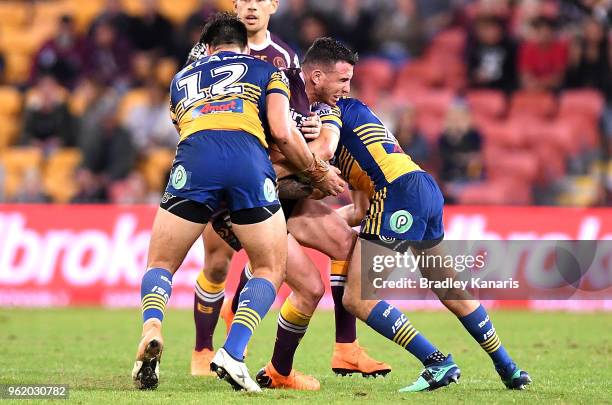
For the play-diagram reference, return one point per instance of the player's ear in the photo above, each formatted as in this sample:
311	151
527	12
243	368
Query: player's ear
274	6
316	76
208	49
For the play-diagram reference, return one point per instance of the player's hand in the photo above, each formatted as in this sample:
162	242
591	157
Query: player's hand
197	52
311	126
332	183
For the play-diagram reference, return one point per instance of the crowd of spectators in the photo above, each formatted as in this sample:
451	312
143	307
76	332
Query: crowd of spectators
101	87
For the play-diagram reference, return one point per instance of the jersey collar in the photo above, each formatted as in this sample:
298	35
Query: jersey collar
263	46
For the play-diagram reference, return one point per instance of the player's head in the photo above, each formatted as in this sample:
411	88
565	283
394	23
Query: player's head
328	69
224	31
255	14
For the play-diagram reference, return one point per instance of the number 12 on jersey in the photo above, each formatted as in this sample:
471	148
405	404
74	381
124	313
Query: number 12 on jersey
226	78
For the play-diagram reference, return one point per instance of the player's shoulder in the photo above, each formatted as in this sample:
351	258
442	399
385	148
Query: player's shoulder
279	44
323	109
350	103
276	40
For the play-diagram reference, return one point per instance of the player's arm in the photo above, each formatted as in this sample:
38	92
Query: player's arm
294	148
325	145
327	142
354	213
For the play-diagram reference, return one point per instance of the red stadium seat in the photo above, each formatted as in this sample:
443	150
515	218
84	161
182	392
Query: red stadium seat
373	76
506	134
433	102
420	72
535	104
376	73
496	192
552	164
586	130
521	165
581	102
556	135
490	103
431	125
449	41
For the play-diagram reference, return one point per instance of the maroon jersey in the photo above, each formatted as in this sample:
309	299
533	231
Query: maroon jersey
276	52
298	103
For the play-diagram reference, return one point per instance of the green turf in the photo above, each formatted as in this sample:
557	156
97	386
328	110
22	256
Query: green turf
569	357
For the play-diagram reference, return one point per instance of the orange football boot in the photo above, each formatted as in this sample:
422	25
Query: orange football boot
268	377
148	356
349	358
227	314
200	363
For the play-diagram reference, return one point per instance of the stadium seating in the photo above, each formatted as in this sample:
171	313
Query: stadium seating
165	70
131	100
10	100
521	165
535	104
58	175
496	192
417	74
13	14
156	166
12	103
487	103
373	76
177	11
16	161
9	129
506	134
581	102
451	41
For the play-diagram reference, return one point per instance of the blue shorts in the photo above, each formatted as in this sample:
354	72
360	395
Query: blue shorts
410	209
231	166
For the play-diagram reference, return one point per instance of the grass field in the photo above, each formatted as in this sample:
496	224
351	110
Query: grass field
569	357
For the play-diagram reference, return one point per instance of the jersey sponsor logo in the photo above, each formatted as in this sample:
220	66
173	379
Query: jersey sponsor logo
401	221
179	177
280	62
230	106
166	197
483	323
297	117
388	311
269	190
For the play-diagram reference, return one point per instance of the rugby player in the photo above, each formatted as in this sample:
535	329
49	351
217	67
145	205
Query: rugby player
311	222
220	106
395	200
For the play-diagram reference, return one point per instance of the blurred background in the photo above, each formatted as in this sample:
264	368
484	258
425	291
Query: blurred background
507	102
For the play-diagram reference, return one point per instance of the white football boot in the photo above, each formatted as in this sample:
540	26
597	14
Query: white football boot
233	371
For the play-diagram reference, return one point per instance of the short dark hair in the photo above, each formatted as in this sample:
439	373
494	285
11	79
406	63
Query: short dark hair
224	29
329	51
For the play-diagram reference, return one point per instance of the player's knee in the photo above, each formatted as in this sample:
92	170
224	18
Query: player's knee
217	267
315	292
344	244
308	298
216	274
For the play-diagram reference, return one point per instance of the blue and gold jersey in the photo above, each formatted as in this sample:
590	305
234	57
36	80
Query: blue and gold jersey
225	91
368	154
